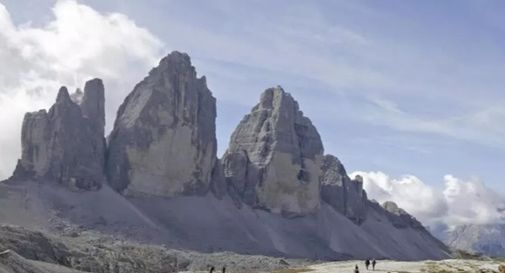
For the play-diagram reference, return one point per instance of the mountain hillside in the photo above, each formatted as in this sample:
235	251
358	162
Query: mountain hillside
158	180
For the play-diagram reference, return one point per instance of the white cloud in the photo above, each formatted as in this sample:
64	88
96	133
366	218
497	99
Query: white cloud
472	202
409	192
79	43
459	202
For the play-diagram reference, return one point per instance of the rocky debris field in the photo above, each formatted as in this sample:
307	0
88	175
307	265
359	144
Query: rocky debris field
28	251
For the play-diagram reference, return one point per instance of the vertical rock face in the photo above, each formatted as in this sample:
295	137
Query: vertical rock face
164	140
274	157
343	194
66	144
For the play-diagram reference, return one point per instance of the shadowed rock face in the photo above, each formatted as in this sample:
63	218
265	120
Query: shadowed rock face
274	157
66	144
164	139
343	194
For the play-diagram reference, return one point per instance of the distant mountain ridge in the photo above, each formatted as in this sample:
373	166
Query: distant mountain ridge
486	239
274	192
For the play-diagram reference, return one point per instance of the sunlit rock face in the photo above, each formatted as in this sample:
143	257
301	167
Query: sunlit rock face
163	142
343	194
273	161
66	144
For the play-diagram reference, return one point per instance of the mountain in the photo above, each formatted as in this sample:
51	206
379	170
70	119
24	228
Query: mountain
274	157
66	144
339	191
164	138
158	180
487	239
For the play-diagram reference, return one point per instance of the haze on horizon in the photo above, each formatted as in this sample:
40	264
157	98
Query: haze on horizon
407	94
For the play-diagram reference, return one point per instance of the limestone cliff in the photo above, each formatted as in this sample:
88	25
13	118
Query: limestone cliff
343	194
274	157
66	145
164	140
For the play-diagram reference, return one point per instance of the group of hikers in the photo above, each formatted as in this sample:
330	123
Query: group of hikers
367	265
373	263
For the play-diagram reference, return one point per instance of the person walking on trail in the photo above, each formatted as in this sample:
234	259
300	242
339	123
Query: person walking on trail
212	269
356	269
367	264
224	269
374	262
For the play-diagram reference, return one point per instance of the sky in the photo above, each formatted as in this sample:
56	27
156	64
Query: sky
408	94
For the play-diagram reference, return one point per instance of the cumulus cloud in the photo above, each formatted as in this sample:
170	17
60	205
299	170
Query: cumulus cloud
79	43
458	202
472	202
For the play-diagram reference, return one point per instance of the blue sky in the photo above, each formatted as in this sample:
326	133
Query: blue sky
400	87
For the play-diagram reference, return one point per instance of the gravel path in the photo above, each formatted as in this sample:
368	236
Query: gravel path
411	267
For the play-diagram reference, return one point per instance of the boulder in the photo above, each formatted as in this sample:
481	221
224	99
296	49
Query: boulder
164	140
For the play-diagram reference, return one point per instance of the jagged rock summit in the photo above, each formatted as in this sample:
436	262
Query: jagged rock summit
164	138
66	144
274	157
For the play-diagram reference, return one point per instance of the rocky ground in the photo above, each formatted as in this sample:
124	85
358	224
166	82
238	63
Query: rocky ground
444	266
28	251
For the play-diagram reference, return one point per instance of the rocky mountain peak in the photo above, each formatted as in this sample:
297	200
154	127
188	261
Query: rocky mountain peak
272	98
333	172
342	193
63	145
175	60
63	96
274	156
164	139
93	103
174	65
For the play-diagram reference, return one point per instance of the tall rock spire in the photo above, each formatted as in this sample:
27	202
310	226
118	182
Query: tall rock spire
164	137
339	191
274	157
64	145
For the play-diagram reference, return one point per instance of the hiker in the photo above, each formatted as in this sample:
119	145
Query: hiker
224	269
356	269
212	269
367	264
374	262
